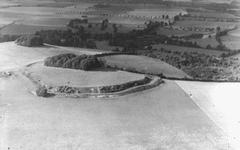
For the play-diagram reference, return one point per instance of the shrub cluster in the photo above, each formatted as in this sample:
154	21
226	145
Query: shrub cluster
121	87
72	61
42	91
30	40
7	38
104	89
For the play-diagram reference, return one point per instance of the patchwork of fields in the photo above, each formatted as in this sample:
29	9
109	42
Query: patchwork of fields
176	115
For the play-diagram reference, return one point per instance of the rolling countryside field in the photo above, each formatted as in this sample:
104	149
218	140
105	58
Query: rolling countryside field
119	75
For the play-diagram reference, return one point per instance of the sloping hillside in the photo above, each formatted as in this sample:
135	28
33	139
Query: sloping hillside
144	64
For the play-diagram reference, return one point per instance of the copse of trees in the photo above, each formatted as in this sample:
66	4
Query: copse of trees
30	40
42	91
58	60
104	24
72	61
78	38
75	23
7	38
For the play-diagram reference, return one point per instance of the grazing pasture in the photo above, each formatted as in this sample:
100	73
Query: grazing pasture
149	13
206	41
235	32
31	10
231	42
21	29
188	49
174	32
209	14
44	21
206	24
78	78
143	64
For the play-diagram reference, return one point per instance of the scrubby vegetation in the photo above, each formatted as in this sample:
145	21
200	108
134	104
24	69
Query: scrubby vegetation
103	89
7	38
42	91
30	41
72	61
198	65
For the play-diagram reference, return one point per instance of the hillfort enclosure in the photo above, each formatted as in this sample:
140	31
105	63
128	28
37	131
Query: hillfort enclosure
119	75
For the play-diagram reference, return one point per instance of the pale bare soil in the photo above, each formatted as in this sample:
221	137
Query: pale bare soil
220	101
162	118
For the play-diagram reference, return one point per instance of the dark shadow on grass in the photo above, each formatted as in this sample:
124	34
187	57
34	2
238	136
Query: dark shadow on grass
104	69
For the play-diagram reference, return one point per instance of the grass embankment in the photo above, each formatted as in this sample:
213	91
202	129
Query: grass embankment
78	83
68	61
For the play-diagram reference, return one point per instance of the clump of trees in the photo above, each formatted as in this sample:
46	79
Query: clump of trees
58	60
72	61
104	24
30	41
42	91
7	38
75	23
77	38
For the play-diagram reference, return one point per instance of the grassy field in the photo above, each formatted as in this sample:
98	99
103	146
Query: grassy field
206	41
231	42
212	14
156	12
44	21
79	78
235	32
171	32
31	10
160	118
36	14
103	45
144	64
188	49
13	55
163	118
213	99
21	29
206	24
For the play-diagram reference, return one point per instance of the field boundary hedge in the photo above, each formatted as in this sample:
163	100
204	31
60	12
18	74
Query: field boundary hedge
200	80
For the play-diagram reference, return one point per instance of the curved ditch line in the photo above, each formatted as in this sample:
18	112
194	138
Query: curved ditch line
154	83
95	92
